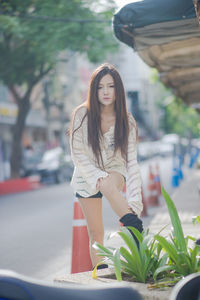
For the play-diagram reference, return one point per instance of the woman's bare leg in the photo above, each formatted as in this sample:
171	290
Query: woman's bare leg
92	210
110	187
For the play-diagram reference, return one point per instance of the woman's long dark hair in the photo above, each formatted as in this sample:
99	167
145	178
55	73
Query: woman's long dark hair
121	131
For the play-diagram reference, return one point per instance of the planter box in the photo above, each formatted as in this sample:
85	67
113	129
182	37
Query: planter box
107	276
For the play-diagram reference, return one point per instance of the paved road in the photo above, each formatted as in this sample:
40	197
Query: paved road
36	227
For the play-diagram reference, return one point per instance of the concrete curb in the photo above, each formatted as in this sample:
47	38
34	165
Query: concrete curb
20	185
107	276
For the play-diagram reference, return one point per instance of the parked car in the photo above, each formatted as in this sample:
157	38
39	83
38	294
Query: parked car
196	143
145	150
171	138
30	160
150	149
55	166
163	149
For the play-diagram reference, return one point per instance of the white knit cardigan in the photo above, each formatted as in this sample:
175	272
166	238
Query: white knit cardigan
86	171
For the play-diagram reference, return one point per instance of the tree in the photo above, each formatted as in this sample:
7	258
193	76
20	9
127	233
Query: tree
32	33
176	117
181	119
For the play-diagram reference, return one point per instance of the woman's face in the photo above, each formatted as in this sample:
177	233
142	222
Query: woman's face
106	90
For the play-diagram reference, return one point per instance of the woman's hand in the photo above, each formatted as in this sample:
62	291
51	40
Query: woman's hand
132	211
99	182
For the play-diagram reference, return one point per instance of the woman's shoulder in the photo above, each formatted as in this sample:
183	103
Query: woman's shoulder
131	120
80	111
133	129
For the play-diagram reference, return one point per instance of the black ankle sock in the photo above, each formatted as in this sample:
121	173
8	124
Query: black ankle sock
132	220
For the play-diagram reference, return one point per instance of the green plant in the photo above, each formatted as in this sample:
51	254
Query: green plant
157	258
183	260
196	219
138	263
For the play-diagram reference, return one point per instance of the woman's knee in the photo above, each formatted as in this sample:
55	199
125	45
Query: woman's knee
112	182
104	184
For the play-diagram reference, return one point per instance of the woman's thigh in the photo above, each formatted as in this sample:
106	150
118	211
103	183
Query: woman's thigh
92	210
110	187
114	180
118	179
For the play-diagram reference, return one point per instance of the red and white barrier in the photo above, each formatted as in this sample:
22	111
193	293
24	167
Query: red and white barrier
18	185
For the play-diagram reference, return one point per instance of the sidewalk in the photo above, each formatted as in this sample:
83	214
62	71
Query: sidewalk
187	201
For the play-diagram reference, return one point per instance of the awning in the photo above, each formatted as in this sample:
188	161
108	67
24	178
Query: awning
166	35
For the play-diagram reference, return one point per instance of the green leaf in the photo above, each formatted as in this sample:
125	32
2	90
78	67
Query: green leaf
163	269
163	260
159	248
191	238
127	268
168	247
184	265
195	260
102	251
178	231
148	265
126	231
136	233
130	260
117	264
196	219
162	228
130	242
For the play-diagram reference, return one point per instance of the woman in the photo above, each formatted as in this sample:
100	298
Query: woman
103	146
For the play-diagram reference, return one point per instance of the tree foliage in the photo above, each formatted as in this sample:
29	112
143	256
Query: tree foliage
176	117
181	119
29	46
33	32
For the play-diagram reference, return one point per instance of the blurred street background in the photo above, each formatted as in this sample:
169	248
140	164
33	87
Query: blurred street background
47	54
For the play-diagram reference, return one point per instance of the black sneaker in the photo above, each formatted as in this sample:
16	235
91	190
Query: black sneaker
102	266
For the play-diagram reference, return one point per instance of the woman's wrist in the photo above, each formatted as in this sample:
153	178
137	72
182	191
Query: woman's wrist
132	211
99	181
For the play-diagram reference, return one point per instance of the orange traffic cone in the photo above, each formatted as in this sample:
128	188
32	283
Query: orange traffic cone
124	190
157	180
144	211
81	260
152	198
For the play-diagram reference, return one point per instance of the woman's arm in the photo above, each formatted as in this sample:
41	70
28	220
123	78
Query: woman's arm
133	180
80	157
